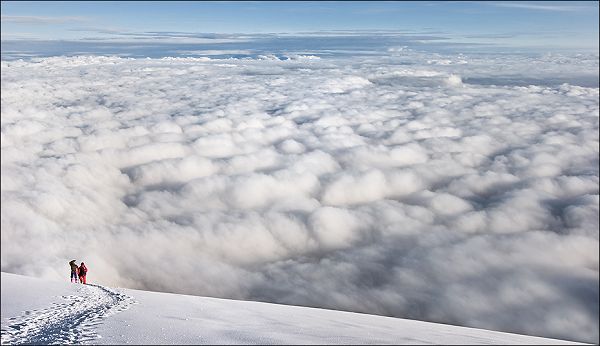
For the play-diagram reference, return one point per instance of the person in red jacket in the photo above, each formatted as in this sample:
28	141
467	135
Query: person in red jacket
82	272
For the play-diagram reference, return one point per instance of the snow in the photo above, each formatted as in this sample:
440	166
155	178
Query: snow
41	311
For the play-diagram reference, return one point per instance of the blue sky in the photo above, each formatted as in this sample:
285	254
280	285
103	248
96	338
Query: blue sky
552	24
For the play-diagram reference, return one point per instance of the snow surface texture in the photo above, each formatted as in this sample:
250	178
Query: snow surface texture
71	321
388	185
160	318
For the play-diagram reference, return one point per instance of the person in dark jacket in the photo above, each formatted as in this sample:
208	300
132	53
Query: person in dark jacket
82	273
74	271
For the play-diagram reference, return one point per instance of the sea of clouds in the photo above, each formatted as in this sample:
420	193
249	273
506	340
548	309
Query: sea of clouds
453	189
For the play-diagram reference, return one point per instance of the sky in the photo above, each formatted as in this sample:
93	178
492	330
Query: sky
567	25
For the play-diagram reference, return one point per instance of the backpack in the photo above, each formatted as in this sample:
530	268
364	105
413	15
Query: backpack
82	271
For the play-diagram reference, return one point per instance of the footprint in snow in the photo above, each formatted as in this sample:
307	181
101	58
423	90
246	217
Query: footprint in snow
67	323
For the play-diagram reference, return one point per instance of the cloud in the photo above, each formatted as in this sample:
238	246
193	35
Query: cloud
121	35
217	52
124	43
42	19
542	7
391	185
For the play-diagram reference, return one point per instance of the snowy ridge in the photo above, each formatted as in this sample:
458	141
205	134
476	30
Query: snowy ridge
100	315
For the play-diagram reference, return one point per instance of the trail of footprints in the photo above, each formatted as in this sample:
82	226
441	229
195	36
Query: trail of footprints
66	323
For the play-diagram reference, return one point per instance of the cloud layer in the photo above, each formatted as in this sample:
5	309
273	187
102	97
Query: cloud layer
389	185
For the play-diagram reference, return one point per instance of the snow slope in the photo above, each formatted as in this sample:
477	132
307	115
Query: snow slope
39	311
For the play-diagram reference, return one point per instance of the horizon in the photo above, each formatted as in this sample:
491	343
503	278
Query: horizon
34	28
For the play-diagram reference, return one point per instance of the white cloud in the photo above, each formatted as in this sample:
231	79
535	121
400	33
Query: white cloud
442	192
543	7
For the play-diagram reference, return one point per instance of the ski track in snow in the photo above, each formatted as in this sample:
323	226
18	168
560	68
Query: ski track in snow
66	323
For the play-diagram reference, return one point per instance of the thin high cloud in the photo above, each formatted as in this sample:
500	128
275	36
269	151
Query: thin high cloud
449	188
405	34
117	35
42	19
158	34
543	7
